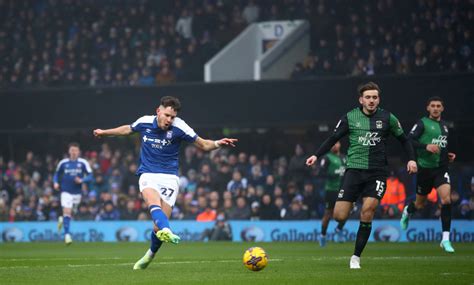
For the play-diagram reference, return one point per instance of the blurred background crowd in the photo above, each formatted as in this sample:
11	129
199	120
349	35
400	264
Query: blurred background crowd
234	185
70	43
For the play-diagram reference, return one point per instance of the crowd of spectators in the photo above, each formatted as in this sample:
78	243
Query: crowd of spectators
236	186
69	43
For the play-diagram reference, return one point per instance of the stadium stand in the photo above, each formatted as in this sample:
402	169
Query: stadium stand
65	43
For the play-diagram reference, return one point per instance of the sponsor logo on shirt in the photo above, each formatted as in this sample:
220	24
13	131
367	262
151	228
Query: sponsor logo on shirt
156	143
370	139
441	141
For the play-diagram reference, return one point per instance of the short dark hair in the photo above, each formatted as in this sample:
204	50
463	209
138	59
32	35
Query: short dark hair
170	101
73	144
434	98
368	86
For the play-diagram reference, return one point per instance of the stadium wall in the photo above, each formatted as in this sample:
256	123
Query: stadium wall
266	231
245	104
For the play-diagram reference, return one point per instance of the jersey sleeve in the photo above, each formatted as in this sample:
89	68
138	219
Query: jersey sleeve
416	133
138	125
188	134
58	171
395	126
341	129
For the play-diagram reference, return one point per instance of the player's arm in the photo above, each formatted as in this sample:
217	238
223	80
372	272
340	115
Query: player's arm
88	170
56	175
323	167
416	133
451	153
119	131
342	128
208	145
397	131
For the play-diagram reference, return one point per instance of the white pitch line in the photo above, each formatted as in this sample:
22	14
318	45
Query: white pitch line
198	261
122	264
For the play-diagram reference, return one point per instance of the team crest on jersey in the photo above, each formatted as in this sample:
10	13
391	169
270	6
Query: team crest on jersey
169	134
357	125
378	124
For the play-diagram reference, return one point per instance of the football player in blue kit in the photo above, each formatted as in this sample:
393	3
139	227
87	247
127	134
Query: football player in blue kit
161	136
70	174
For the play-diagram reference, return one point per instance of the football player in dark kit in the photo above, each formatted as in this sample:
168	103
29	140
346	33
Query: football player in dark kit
332	165
368	128
429	136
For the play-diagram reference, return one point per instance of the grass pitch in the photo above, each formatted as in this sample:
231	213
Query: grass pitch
221	263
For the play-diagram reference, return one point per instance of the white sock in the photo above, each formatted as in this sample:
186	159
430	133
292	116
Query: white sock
445	236
150	253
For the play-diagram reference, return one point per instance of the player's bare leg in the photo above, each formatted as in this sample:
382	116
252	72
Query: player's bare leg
160	212
444	192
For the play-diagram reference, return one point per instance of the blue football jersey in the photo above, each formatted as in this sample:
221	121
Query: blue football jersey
159	148
67	170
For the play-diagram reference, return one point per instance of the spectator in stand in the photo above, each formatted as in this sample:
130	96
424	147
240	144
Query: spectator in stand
129	212
241	211
108	212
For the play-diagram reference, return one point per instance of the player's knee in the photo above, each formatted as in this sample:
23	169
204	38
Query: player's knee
445	200
367	214
339	217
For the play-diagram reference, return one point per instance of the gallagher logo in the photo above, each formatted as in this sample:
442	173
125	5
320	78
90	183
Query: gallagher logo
126	234
12	235
387	233
252	234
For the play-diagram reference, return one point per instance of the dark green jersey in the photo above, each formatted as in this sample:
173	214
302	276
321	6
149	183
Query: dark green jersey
333	166
367	138
428	131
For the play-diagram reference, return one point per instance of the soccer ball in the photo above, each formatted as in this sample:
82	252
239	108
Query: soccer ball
255	258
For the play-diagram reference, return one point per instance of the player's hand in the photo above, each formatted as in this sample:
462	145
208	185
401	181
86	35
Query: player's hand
98	133
78	180
433	148
311	160
451	156
412	167
56	186
226	142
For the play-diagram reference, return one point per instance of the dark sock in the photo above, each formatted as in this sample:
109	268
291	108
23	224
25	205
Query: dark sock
363	235
324	229
446	217
155	243
340	225
411	208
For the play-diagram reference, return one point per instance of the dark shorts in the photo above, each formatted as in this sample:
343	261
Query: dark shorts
360	183
429	178
331	197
